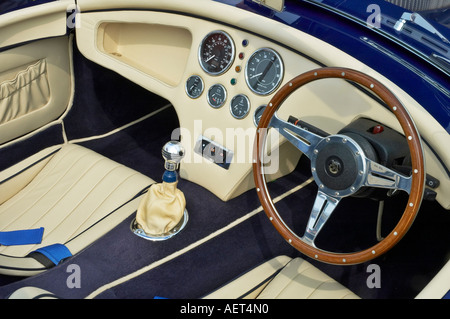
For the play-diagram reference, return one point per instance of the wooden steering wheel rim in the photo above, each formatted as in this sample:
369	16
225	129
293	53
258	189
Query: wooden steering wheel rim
414	145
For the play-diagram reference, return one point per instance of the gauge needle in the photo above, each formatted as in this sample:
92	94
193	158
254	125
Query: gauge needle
211	57
254	76
263	74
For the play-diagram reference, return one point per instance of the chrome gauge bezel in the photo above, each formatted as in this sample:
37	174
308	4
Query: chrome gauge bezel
281	72
233	52
187	90
208	96
258	112
239	117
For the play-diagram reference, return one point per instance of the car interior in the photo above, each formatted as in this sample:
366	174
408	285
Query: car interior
91	94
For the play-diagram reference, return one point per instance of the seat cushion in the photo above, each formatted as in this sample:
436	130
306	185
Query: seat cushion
301	280
30	292
77	197
250	284
284	278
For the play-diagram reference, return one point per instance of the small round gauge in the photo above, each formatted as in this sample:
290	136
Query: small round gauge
240	106
258	113
216	95
194	86
216	53
264	71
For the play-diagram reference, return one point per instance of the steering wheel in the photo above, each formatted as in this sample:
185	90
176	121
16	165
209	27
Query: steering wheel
360	170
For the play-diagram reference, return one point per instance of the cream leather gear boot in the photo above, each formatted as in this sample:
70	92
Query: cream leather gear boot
162	212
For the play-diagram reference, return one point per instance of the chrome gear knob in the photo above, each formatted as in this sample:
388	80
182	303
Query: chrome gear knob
172	152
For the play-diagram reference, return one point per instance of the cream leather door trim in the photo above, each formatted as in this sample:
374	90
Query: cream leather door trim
27	92
56	52
36	22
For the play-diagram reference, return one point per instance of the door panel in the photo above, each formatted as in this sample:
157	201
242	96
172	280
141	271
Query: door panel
35	22
35	68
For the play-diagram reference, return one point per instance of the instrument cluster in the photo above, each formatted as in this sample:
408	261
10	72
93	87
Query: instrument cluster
263	73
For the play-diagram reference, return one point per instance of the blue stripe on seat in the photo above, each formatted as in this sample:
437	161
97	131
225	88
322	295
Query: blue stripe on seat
21	237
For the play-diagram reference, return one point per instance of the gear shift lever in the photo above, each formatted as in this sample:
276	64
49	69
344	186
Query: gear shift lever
173	153
162	212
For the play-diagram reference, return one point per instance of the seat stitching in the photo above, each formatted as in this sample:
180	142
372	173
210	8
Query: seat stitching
287	284
87	194
30	189
36	162
104	200
72	185
300	274
140	193
47	192
318	287
48	232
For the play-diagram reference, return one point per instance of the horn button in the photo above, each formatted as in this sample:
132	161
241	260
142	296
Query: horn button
338	165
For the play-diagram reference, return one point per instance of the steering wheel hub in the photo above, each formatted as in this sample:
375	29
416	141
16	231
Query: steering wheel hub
334	166
338	166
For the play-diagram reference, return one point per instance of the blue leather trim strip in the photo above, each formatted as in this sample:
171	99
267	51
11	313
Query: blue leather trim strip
21	237
55	253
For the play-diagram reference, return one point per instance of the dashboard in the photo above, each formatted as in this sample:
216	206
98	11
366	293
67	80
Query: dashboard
219	76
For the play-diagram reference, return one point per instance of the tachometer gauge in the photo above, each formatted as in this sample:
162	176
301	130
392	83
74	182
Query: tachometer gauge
264	71
194	86
240	106
216	53
216	95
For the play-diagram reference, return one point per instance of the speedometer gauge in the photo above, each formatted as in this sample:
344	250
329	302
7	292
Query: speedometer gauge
216	53
264	71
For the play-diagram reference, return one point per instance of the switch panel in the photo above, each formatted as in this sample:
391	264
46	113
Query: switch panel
214	152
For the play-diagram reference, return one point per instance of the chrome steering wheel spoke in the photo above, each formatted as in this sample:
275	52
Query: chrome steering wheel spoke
302	139
323	207
380	176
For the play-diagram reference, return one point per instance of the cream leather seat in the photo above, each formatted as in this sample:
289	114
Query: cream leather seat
284	278
75	194
30	292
